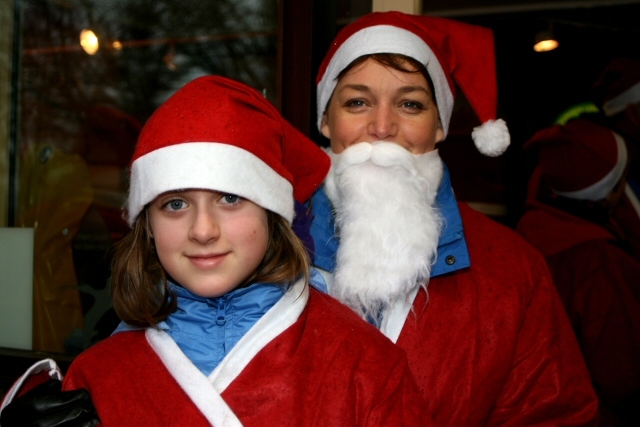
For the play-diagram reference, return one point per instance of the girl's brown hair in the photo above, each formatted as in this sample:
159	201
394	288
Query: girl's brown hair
139	286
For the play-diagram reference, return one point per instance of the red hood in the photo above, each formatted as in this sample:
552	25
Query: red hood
551	230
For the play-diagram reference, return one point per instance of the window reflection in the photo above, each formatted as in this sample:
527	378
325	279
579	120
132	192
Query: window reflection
80	115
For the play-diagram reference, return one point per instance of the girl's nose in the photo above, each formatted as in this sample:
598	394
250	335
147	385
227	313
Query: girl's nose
383	124
205	227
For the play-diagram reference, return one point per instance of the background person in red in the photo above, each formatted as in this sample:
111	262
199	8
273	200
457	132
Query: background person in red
617	93
574	195
469	300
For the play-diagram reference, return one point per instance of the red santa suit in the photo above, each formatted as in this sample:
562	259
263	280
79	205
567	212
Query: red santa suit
597	281
627	217
489	342
303	363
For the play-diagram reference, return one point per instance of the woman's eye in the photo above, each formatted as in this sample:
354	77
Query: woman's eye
412	105
175	205
229	199
355	103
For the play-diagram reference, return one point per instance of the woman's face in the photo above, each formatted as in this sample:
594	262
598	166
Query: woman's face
208	242
373	102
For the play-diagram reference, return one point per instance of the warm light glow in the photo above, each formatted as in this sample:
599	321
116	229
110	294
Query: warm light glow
545	45
545	41
116	45
89	41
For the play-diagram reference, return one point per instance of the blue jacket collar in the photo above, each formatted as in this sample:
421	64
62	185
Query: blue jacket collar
452	246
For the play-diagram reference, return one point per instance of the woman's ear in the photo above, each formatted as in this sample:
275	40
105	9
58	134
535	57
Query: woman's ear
439	132
324	126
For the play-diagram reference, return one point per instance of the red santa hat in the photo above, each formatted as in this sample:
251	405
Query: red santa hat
580	160
450	50
218	134
618	85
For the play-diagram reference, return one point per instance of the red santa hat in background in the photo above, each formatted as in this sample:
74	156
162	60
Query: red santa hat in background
580	160
618	85
218	134
450	50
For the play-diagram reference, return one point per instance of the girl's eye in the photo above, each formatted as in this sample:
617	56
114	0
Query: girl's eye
229	199
175	205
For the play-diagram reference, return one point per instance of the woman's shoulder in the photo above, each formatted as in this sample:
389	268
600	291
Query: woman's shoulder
335	320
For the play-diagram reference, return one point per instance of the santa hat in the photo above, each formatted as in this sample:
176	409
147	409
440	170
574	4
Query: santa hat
450	50
618	85
218	134
580	160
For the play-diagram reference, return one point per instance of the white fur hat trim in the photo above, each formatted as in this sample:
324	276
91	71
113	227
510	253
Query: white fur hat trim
209	166
386	39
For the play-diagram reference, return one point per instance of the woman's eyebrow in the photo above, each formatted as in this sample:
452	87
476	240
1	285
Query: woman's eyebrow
412	88
356	87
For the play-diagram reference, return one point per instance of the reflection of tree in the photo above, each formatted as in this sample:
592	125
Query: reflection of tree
87	107
62	84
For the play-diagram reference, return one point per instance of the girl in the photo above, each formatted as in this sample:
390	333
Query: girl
221	326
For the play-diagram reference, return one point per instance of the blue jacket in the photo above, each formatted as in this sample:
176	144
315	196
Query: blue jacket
206	329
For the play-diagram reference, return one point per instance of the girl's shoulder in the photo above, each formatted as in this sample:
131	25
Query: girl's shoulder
114	349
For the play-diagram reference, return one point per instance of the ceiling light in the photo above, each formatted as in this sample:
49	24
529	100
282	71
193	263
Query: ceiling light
89	41
545	41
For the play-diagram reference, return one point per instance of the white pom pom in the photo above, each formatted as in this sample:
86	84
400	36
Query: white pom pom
492	137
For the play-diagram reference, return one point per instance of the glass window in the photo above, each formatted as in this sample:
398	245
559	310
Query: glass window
80	108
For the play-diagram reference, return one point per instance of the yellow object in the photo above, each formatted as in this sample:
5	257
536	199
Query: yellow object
545	41
55	193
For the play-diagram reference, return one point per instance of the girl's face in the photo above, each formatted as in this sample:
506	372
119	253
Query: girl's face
373	102
208	242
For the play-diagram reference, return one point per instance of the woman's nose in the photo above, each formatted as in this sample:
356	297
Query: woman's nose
383	124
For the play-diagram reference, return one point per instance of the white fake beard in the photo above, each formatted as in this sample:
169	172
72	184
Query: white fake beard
388	225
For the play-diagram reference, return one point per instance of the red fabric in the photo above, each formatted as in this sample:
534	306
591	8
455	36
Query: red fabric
552	231
574	156
598	284
216	109
620	75
627	220
465	53
33	381
328	369
491	345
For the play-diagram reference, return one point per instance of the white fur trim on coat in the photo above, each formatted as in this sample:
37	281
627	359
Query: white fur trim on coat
205	391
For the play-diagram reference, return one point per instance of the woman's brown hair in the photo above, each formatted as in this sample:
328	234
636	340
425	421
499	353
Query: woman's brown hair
139	286
395	61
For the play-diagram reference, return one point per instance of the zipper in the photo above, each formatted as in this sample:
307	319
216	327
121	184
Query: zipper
221	315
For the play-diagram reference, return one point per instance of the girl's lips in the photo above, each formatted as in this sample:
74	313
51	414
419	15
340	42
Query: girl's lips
207	261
